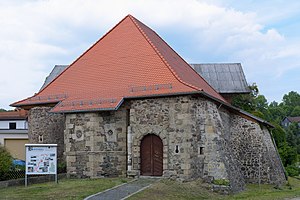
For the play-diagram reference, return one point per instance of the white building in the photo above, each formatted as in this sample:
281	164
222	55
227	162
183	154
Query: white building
14	132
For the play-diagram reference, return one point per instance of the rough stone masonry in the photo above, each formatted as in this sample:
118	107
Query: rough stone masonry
200	140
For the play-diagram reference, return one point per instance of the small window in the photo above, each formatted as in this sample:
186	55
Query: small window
12	125
201	150
177	150
41	138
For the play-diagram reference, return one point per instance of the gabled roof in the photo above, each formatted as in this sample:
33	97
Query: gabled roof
57	70
131	60
294	119
18	114
224	77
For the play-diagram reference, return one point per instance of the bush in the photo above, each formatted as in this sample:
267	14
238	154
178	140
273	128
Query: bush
5	162
292	170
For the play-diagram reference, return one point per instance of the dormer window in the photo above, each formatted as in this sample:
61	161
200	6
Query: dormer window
12	125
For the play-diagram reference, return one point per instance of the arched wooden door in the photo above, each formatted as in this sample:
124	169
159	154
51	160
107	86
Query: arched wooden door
151	156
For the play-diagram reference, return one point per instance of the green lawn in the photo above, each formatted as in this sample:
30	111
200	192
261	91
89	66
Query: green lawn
170	190
65	189
165	189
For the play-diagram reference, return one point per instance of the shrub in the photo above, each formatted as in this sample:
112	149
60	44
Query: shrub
5	162
292	170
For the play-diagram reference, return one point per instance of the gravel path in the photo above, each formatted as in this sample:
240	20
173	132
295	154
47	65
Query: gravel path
123	191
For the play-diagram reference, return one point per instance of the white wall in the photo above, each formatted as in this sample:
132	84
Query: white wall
21	124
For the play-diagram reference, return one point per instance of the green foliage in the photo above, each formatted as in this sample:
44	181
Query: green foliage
246	101
276	113
291	155
295	112
279	135
291	99
292	170
2	110
221	182
5	162
258	114
62	167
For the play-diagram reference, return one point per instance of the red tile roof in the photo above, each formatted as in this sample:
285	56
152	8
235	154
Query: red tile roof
131	60
16	114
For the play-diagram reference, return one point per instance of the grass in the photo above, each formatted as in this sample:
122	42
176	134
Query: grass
65	189
165	189
168	190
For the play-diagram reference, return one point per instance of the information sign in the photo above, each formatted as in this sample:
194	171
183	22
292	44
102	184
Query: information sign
41	159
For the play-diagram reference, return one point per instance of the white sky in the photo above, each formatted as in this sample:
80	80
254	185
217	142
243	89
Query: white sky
262	35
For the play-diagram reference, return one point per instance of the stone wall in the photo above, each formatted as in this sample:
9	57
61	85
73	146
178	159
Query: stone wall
96	144
256	153
46	128
200	140
170	119
218	125
213	142
195	126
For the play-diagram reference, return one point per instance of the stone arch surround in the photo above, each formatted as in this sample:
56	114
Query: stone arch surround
137	145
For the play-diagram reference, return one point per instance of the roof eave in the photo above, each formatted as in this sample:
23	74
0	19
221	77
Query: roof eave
239	110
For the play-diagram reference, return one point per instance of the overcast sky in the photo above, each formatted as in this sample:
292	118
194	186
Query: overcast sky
261	35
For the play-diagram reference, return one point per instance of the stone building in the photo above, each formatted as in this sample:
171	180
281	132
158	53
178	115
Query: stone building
130	105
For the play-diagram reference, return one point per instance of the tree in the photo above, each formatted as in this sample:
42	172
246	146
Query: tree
2	110
273	104
260	103
279	135
246	101
276	113
295	112
291	99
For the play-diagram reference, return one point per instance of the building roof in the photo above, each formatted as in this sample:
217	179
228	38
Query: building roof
224	77
57	70
131	60
294	119
18	114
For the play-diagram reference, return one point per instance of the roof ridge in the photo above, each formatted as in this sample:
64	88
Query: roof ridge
160	55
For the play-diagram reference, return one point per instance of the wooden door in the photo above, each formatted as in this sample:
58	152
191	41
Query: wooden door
151	156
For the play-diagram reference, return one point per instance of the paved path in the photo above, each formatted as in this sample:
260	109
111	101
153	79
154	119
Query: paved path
124	191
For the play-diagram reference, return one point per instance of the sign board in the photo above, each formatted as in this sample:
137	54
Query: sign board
41	158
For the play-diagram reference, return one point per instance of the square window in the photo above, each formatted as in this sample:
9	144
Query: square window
12	125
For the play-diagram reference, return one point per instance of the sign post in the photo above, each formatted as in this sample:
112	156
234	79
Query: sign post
41	159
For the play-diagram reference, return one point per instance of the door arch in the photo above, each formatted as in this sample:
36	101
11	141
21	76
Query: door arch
151	156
